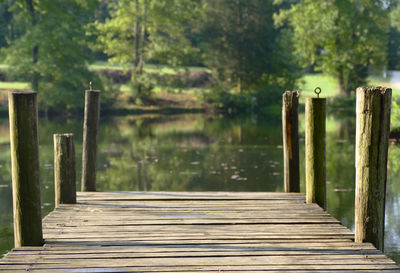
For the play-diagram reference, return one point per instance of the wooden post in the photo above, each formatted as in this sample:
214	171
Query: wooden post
290	133
315	151
64	169
372	137
25	169
90	132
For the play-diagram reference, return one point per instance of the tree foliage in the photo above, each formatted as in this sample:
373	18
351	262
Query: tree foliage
343	38
50	49
254	47
142	30
243	47
394	40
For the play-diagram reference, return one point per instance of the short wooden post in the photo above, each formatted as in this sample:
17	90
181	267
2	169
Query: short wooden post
315	151
90	132
64	169
290	133
25	169
372	137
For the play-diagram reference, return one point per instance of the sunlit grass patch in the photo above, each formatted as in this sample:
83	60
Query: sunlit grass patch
106	65
375	80
327	84
149	68
14	85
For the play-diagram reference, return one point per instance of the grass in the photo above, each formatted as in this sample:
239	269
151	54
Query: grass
105	65
150	68
327	84
375	80
14	85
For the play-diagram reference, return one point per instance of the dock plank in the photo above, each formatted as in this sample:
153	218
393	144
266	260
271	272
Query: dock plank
195	232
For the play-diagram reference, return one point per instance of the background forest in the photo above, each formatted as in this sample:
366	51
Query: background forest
235	55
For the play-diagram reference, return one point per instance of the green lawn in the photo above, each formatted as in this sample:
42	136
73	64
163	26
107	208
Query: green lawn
14	85
381	81
105	65
150	68
125	88
327	84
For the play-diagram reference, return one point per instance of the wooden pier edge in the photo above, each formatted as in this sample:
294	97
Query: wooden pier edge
315	151
372	139
90	139
24	146
290	133
195	232
64	169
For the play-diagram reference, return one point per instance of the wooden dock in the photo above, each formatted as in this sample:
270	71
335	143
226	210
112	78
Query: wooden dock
195	232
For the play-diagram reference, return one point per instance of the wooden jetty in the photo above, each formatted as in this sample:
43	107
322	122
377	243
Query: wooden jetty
194	232
204	231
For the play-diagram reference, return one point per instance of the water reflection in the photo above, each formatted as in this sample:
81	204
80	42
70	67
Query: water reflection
201	153
190	153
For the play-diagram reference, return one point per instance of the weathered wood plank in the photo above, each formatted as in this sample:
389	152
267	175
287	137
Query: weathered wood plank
197	233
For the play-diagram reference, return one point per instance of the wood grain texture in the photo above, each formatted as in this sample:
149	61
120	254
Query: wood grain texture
90	136
195	232
315	151
25	168
64	169
290	134
372	138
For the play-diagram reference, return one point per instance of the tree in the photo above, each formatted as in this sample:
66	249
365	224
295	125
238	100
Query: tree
142	30
50	49
6	26
394	40
343	38
243	48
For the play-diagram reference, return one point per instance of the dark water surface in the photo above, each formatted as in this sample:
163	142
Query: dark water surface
200	153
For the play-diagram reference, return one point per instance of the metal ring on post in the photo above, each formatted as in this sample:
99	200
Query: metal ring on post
317	92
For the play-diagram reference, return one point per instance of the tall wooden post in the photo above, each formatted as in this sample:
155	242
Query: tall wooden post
315	151
64	169
25	169
290	133
372	137
90	132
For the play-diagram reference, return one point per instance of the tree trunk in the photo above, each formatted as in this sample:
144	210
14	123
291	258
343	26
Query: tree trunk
8	18
36	75
35	48
341	84
138	174
240	56
137	36
142	38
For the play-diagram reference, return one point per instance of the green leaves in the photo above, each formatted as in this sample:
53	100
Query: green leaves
57	30
142	30
244	48
343	38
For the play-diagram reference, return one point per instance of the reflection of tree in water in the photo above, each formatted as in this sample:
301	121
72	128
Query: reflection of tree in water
141	180
191	153
392	217
340	168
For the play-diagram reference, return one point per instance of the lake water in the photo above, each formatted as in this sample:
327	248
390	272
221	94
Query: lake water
201	153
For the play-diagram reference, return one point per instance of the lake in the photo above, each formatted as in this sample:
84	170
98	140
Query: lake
198	152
